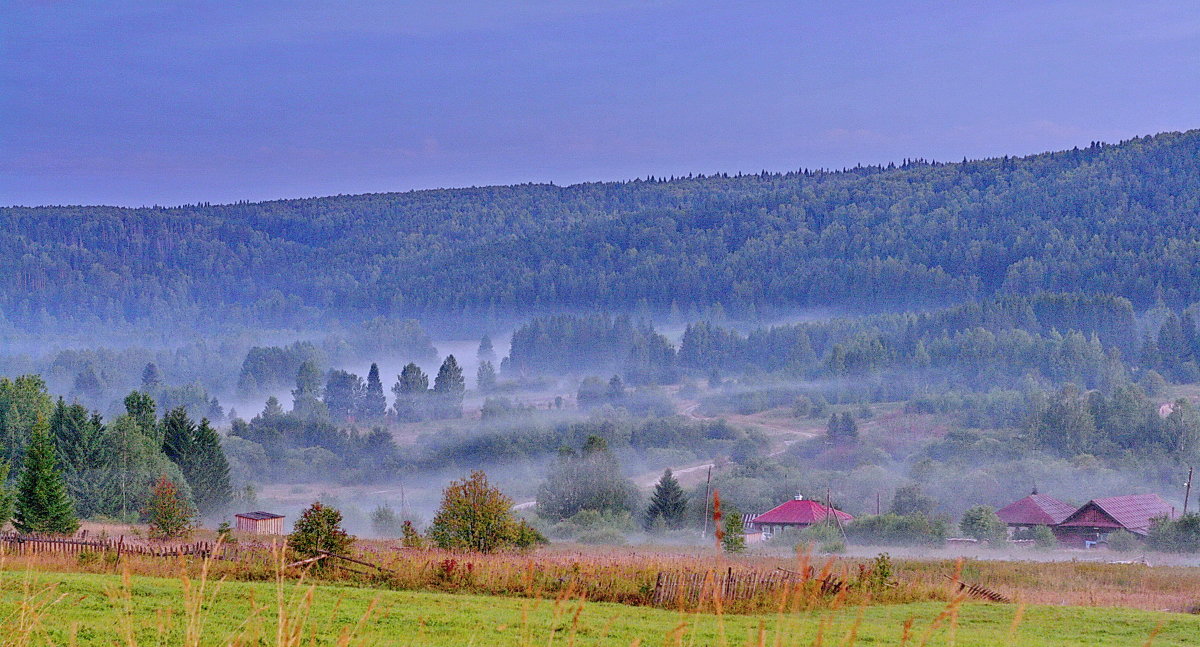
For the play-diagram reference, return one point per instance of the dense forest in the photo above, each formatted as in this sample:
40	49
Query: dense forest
984	327
1115	219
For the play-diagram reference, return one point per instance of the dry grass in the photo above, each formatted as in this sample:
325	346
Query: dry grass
628	576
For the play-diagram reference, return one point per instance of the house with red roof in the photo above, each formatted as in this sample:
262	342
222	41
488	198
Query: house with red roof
1034	510
797	513
1097	519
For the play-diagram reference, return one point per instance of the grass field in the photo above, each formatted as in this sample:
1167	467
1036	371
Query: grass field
39	608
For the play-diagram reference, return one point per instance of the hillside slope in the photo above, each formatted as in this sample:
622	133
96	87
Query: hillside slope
1120	219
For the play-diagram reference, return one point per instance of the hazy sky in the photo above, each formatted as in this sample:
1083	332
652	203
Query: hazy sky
164	102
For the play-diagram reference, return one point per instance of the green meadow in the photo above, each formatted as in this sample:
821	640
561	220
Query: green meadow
39	608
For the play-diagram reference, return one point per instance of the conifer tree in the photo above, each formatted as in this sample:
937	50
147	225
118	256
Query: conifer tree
151	378
7	495
374	402
209	477
486	352
140	406
485	378
668	505
411	390
306	397
169	512
734	539
179	434
616	389
197	451
86	460
343	395
43	504
448	388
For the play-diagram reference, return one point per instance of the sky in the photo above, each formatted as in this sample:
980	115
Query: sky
159	102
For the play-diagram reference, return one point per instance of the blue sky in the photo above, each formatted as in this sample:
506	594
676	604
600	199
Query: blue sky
138	103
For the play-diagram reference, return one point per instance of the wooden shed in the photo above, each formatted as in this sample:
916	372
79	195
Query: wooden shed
259	523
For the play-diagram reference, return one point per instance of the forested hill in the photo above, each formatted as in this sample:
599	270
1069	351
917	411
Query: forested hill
1121	219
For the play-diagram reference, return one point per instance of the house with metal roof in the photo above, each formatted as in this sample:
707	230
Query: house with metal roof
797	513
1034	510
1093	522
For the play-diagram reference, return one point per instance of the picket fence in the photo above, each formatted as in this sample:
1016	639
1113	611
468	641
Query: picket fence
16	543
693	588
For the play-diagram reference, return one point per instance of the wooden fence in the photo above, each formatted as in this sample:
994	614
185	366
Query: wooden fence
693	588
32	544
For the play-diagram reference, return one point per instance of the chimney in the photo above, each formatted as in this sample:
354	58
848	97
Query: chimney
799	497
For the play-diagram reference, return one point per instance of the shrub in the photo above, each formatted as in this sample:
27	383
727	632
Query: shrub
835	546
981	523
821	534
385	522
1043	537
897	530
602	536
319	529
409	537
1181	535
1123	541
474	516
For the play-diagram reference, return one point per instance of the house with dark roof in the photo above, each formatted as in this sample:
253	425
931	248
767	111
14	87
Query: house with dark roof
797	513
1034	510
1093	522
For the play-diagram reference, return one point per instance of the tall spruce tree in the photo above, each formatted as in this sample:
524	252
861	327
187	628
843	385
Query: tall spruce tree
448	389
411	390
196	450
43	504
668	504
486	352
209	478
374	403
82	455
179	433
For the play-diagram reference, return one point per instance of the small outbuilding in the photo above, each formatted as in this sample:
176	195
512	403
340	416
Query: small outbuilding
797	513
1097	519
259	523
1034	510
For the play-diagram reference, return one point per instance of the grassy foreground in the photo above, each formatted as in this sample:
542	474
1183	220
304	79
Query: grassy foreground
39	608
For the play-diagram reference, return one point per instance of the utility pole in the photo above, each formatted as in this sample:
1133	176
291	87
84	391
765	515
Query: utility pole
1187	493
707	500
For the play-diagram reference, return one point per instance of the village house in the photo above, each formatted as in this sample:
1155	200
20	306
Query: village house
259	523
1097	519
1034	510
797	513
1091	523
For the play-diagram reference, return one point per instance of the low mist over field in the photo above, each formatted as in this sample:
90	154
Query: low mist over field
785	309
